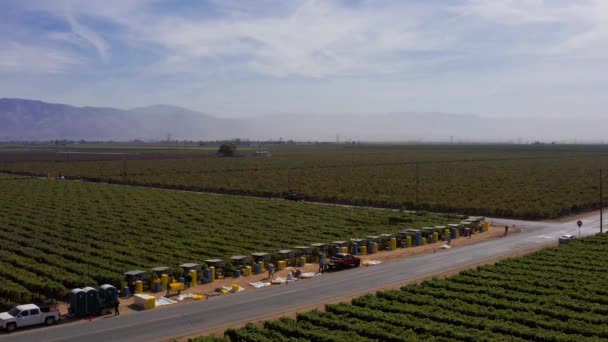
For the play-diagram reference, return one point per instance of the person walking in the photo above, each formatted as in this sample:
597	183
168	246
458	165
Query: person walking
169	282
116	306
188	280
506	230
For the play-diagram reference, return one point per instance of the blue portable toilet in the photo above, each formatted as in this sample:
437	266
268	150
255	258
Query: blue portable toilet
108	295
78	302
92	301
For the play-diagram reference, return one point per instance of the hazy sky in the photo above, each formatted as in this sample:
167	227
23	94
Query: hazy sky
524	58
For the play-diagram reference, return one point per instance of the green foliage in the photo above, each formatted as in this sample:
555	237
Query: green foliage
57	235
508	180
552	295
227	150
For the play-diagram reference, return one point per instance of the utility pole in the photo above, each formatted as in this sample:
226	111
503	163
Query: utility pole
601	204
417	181
289	181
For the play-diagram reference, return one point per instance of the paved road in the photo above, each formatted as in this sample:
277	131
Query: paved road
191	318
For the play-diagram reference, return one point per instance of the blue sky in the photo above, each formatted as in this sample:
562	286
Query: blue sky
498	58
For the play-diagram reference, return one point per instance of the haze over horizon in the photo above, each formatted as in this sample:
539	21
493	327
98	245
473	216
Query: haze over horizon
524	59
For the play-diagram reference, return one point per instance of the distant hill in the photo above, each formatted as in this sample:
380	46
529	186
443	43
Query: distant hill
36	120
22	119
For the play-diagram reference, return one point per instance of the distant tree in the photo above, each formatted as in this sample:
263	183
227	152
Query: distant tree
227	150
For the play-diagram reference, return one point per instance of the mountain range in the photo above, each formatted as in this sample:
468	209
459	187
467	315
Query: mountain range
33	120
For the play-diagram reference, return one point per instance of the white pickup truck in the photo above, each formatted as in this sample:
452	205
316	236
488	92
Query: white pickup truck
28	314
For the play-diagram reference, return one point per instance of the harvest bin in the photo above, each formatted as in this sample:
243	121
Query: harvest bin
144	301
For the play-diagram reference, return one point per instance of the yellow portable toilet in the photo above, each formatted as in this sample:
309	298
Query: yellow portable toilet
393	243
193	276
363	250
164	280
408	241
376	247
435	236
281	264
212	270
423	241
139	287
247	271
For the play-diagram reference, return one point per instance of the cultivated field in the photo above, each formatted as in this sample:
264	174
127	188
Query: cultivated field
528	181
57	235
553	295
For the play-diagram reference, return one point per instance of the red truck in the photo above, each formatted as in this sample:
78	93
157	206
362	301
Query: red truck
342	260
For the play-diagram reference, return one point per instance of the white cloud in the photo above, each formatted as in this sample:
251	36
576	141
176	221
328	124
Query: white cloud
20	58
314	39
102	47
509	11
462	55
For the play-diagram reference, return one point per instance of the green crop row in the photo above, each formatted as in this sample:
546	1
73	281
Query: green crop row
510	301
57	235
509	181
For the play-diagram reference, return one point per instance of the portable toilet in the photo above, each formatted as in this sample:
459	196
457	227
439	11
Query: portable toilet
78	302
107	296
92	301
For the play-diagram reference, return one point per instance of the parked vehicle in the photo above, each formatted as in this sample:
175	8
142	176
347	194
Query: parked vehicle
566	238
342	260
28	314
294	197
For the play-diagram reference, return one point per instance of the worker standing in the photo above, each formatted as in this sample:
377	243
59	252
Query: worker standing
506	230
116	306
